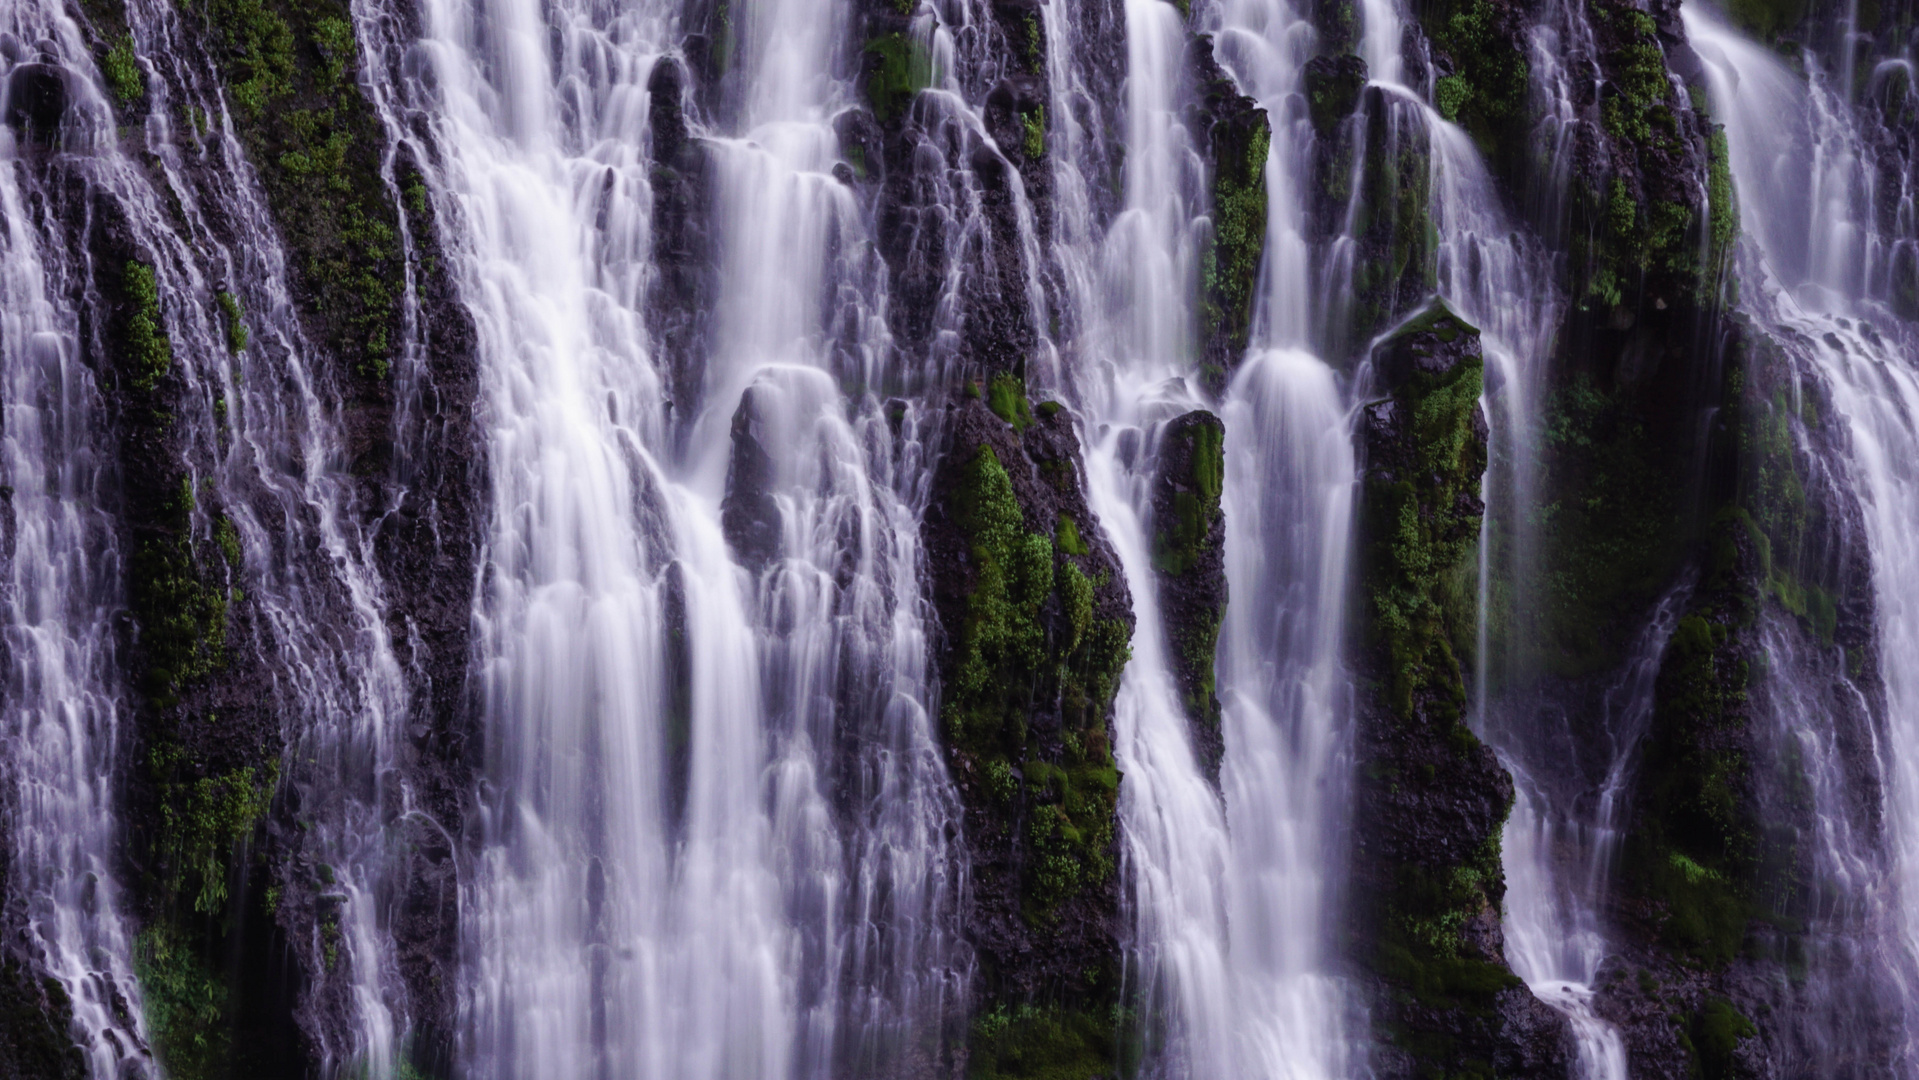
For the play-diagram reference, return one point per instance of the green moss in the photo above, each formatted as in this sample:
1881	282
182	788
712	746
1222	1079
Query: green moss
1639	83
1035	141
1716	1034
1692	850
228	538
1003	659
185	1006
235	321
1230	259
258	45
1420	946
1002	632
897	69
1486	93
291	72
149	355
1036	1042
202	820
1178	542
123	73
1767	18
1006	396
1066	538
1611	534
1418	536
182	619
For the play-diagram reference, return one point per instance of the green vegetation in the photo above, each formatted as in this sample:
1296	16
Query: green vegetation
202	821
1486	91
235	321
1693	849
1177	541
123	73
1032	1042
1004	662
1006	396
1611	532
290	71
1230	258
1420	943
1768	18
185	1005
1395	268
182	619
1716	1034
1640	92
1419	530
897	69
149	355
1034	123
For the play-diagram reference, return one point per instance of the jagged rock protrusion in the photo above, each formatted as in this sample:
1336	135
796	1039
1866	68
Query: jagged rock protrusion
1333	85
680	304
1189	553
36	97
34	1016
1431	800
1239	137
749	514
1036	620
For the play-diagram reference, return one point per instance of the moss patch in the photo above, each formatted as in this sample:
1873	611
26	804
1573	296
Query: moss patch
186	1006
291	69
1032	1042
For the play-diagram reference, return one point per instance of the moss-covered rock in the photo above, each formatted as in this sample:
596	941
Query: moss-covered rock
1189	542
1036	629
1389	214
1480	50
1239	136
291	73
1430	798
1332	85
35	1043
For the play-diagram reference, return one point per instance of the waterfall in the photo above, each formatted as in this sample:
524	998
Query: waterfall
264	487
1131	378
1562	840
1230	891
1813	271
64	703
715	815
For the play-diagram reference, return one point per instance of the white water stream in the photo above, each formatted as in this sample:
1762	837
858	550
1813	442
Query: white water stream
1812	267
724	892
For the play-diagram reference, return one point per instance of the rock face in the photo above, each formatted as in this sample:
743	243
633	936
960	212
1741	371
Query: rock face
1035	618
1430	798
1189	553
1239	136
1333	85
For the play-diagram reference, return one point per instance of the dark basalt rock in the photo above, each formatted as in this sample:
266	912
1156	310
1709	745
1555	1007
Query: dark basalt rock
1238	136
1430	799
34	1016
1035	620
749	514
1189	552
1333	85
36	99
680	305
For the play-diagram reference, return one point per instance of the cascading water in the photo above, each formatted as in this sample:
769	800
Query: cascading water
1813	272
732	762
1561	841
259	433
63	703
1131	376
1229	889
